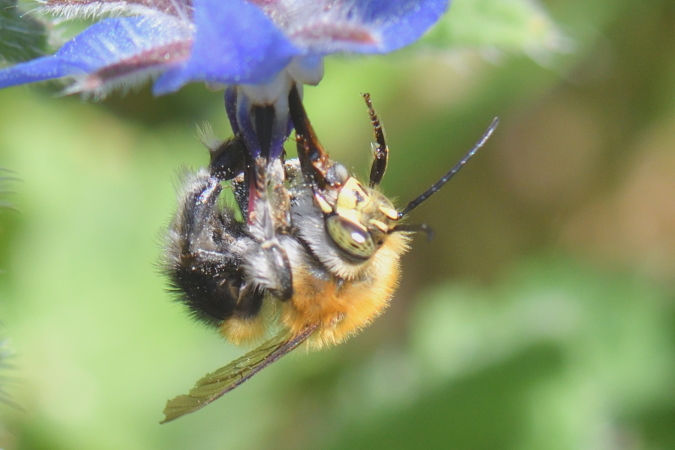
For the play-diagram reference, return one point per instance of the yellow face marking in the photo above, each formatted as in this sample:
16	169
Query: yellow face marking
352	196
352	215
323	204
389	212
359	212
379	225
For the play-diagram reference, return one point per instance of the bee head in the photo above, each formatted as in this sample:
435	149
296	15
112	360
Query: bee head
357	219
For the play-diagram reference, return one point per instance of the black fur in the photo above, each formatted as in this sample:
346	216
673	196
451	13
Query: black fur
205	256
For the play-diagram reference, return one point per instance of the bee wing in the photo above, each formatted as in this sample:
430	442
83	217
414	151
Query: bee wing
214	385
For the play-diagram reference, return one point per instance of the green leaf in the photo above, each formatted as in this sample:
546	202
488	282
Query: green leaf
22	37
510	25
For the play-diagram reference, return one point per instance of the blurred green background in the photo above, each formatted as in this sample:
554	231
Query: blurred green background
541	317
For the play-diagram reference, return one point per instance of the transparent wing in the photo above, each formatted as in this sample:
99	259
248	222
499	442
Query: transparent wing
216	384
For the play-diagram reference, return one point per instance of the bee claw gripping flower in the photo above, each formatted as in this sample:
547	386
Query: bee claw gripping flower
259	48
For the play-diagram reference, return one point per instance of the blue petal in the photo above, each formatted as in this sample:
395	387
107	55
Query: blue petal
402	22
369	26
40	69
235	43
100	46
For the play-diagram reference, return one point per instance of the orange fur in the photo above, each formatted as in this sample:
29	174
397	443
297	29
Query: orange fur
340	310
240	331
344	310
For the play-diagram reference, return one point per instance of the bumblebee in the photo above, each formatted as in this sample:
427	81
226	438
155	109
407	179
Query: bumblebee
314	258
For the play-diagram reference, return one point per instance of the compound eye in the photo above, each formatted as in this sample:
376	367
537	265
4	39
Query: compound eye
350	237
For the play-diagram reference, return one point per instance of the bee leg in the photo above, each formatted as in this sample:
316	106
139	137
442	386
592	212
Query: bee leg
268	264
314	160
279	197
269	267
249	302
229	159
200	264
281	267
380	150
240	191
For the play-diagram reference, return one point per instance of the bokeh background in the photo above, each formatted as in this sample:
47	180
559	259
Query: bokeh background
542	316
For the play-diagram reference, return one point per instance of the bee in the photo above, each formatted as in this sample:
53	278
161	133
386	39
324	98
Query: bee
314	258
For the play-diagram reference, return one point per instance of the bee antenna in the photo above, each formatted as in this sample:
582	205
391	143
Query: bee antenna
415	228
437	186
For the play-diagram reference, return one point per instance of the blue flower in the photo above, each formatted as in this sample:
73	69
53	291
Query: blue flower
258	47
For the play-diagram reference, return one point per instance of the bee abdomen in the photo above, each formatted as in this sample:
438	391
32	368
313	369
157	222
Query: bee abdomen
209	299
